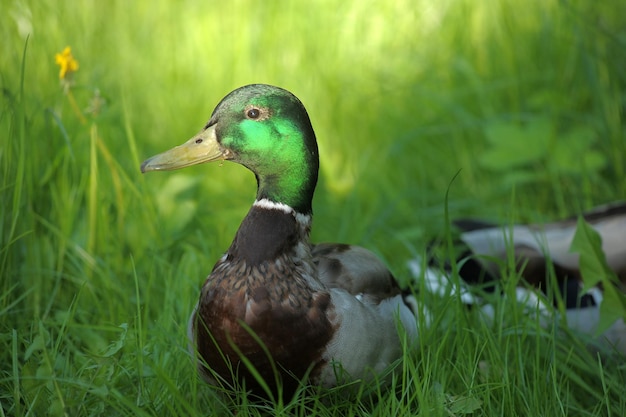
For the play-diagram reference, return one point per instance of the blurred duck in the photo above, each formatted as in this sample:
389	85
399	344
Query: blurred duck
542	256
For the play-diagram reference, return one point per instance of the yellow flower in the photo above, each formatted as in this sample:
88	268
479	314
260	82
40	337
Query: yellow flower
67	63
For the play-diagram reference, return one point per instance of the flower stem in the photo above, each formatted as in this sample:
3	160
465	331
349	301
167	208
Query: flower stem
77	111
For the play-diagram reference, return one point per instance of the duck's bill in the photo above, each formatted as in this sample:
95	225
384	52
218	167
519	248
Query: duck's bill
201	148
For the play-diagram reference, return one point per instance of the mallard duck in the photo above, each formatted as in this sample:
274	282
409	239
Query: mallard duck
542	257
326	313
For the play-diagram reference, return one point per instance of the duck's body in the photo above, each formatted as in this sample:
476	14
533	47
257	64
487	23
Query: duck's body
291	310
543	258
293	297
533	244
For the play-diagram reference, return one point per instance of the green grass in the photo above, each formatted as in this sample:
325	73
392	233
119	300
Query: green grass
100	266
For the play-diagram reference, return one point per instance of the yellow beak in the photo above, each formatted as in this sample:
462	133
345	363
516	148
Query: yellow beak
201	148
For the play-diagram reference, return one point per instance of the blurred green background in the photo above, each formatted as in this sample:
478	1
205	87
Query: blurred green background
525	99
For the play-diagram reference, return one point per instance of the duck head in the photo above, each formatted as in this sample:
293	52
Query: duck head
266	129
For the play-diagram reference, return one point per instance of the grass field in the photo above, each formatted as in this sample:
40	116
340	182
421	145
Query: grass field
100	266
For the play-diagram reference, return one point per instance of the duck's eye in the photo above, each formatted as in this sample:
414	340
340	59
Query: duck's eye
253	113
257	113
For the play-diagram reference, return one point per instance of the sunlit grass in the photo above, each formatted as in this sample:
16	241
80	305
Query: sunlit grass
100	266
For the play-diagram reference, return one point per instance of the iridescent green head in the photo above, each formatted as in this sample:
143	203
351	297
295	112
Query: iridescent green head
264	128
